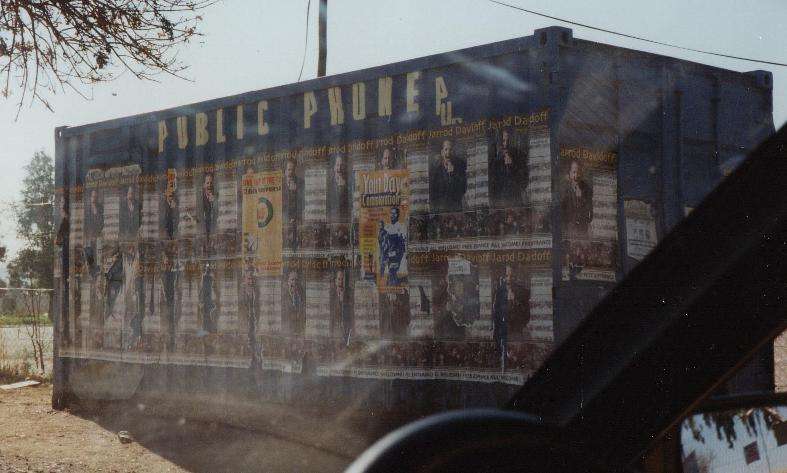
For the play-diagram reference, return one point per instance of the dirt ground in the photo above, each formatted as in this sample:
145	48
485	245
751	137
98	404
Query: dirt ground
34	437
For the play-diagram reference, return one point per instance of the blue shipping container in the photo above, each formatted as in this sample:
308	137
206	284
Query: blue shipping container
402	239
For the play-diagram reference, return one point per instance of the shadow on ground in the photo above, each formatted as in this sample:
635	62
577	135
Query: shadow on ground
198	446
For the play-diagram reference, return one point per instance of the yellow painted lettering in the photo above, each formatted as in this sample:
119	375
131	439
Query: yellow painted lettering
384	94
262	126
183	132
220	136
412	91
239	126
201	129
359	101
162	135
335	105
309	108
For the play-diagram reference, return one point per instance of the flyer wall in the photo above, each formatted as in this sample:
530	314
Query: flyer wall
419	255
420	250
446	218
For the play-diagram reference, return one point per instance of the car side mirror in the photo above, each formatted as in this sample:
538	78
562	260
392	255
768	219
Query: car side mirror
737	434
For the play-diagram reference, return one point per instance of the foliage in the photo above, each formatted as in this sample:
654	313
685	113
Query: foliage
51	44
32	266
13	318
7	306
38	188
12	371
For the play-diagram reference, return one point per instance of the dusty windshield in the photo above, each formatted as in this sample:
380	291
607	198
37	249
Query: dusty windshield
200	233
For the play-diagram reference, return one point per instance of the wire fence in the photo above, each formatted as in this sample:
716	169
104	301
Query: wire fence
25	333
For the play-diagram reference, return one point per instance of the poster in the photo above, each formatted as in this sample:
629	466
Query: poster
270	306
262	221
641	235
227	220
588	212
425	254
316	203
539	186
111	215
150	214
229	313
317	312
418	165
367	303
187	209
383	226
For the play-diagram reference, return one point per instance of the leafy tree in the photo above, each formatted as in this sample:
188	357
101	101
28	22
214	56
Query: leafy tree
50	44
32	266
5	298
7	301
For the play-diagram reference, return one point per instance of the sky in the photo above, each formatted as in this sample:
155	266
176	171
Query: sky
256	44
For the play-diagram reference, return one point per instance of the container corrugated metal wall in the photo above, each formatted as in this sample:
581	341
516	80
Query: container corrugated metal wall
620	145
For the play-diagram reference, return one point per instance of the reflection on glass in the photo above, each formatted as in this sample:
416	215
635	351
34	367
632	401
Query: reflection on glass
747	439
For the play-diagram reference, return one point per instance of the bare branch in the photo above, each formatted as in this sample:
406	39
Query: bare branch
51	45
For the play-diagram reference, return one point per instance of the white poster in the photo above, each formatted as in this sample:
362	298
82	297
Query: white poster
367	320
187	208
150	212
604	225
482	328
541	321
418	165
641	235
318	322
539	188
270	305
228	304
477	174
228	205
316	185
111	230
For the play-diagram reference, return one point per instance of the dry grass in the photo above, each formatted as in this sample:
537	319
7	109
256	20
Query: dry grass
13	369
13	320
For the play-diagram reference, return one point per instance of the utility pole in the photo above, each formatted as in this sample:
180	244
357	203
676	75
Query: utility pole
323	38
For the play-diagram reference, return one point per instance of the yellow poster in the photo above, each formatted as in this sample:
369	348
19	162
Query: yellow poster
262	221
384	202
172	181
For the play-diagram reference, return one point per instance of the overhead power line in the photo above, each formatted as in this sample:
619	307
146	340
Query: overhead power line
639	38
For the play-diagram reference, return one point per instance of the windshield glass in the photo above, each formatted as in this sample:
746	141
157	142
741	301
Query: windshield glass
218	235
